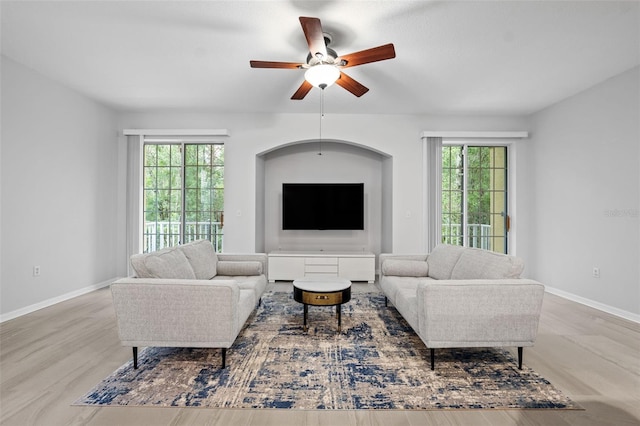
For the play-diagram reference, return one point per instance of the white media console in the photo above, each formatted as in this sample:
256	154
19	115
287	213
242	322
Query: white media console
291	265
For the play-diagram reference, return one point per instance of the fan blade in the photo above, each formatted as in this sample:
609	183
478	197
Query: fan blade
374	54
351	85
315	39
302	91
271	64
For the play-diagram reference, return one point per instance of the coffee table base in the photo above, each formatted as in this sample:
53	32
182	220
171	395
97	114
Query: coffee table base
338	315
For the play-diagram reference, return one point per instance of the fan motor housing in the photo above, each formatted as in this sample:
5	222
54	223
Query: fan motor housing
331	57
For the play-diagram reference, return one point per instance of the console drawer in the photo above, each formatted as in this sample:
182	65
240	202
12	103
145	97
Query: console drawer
322	269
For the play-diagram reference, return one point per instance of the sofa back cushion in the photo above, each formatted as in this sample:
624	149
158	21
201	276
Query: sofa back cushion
202	258
165	263
442	260
483	264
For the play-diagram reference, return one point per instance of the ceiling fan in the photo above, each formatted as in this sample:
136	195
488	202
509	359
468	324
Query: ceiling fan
324	64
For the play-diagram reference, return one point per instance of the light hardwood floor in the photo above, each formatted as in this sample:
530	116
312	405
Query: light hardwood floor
51	357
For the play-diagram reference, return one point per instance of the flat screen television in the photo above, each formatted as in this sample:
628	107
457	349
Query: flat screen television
323	206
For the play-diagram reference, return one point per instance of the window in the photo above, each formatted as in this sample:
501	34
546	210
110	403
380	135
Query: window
183	194
474	196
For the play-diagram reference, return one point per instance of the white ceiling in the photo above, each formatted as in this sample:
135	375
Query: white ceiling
453	57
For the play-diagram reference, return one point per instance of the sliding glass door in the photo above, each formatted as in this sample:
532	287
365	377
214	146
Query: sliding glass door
183	194
474	196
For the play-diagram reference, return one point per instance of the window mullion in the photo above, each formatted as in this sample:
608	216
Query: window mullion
465	185
183	191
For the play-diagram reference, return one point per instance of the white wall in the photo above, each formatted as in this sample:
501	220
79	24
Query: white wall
585	204
398	136
59	191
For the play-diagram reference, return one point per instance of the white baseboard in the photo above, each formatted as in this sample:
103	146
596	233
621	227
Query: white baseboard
596	305
49	302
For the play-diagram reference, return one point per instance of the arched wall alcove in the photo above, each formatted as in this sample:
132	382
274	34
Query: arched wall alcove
319	162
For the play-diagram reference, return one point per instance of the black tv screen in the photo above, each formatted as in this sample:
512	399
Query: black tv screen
323	206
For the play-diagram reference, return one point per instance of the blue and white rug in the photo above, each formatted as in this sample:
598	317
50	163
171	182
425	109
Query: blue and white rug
377	362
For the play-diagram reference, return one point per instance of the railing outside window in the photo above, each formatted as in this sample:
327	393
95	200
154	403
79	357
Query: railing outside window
159	235
479	235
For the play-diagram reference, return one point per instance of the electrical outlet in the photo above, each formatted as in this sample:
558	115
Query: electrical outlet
596	272
36	271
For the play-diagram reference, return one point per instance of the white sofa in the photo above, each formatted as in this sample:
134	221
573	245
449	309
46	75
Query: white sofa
463	297
188	296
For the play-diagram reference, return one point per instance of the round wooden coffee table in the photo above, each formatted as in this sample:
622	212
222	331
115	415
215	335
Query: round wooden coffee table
322	291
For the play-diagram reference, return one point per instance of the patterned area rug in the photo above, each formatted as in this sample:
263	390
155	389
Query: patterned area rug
377	362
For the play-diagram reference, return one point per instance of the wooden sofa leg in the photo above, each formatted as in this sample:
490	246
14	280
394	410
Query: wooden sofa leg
433	358
224	358
520	357
135	357
386	301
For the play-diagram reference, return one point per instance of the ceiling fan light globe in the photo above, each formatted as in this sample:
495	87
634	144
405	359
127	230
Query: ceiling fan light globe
322	75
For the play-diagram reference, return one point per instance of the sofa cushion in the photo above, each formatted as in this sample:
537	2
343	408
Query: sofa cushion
405	268
202	258
484	264
442	260
233	268
166	263
256	283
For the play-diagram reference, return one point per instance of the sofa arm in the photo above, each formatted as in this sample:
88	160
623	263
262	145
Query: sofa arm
477	313
384	256
242	257
170	312
231	268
